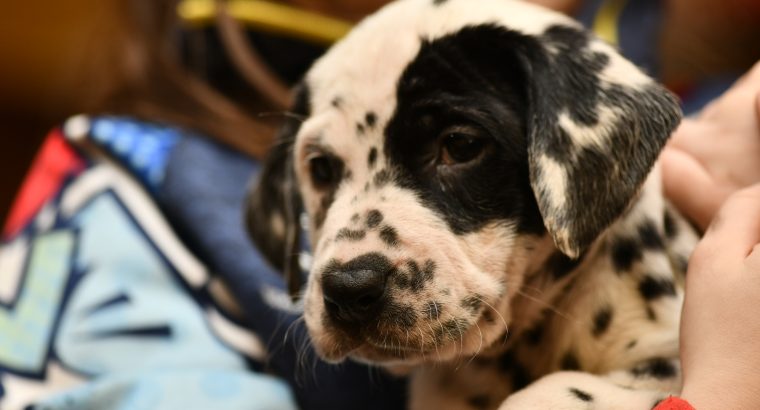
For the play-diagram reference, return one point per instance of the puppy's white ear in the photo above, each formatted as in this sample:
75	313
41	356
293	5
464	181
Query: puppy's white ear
274	204
596	125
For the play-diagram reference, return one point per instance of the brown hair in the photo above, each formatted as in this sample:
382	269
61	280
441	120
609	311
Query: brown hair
136	70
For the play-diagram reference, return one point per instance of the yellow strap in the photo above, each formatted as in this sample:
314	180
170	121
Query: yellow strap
268	16
606	22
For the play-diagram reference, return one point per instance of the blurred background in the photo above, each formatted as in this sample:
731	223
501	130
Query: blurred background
43	50
60	58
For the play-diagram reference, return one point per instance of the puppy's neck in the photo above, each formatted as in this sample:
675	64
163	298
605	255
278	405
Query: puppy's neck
548	285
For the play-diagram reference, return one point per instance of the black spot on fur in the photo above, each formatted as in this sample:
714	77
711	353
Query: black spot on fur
324	205
432	310
439	2
428	270
372	157
570	362
374	218
354	218
488	316
452	329
625	252
401	279
419	277
671	228
360	128
389	235
602	320
657	368
650	237
347	175
534	335
512	367
582	395
480	402
402	315
337	102
416	283
559	265
472	303
520	377
370	119
382	178
351	235
631	344
650	314
653	288
682	264
507	361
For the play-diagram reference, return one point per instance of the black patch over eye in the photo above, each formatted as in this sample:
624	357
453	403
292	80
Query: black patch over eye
325	171
460	147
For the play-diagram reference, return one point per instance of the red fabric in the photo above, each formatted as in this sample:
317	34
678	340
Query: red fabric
673	403
55	161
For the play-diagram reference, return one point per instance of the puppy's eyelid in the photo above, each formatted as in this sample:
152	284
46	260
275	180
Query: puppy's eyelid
467	129
315	148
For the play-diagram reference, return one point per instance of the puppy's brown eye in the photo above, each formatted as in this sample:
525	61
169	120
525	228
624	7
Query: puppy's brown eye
458	148
325	171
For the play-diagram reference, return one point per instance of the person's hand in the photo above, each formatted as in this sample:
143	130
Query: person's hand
720	323
716	153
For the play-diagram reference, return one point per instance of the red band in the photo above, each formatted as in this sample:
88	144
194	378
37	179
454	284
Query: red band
674	403
55	161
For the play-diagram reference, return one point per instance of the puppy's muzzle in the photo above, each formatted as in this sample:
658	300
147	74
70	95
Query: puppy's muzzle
355	294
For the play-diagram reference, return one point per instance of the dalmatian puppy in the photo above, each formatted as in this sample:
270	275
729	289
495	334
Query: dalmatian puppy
484	209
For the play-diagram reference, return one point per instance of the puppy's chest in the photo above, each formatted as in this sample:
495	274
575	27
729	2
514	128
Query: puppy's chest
616	313
606	319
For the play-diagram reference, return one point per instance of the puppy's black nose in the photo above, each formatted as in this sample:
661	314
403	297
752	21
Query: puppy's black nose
353	296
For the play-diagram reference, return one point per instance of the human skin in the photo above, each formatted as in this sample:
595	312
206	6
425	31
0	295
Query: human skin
711	170
715	153
720	324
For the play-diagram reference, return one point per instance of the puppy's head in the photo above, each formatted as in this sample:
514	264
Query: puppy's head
442	141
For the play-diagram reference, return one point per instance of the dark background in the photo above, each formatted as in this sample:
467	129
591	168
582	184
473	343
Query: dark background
43	46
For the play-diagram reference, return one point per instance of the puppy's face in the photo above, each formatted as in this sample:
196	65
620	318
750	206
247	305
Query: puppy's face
442	142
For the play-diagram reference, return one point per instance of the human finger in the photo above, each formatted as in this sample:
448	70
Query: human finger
690	187
735	230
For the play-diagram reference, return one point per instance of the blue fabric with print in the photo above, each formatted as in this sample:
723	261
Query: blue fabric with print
110	311
143	147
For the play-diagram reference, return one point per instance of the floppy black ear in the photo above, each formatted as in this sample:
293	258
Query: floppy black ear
596	125
274	205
